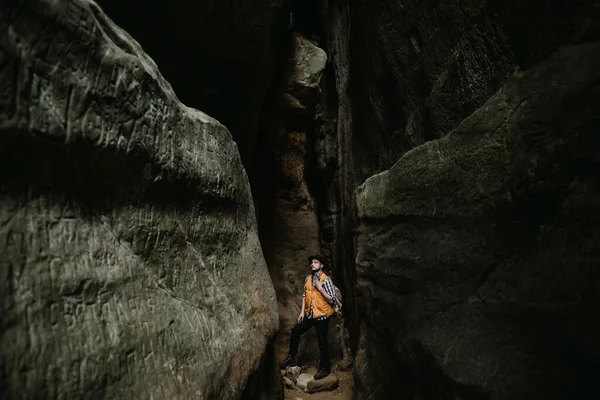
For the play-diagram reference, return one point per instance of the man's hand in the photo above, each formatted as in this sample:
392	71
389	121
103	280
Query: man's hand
318	286
301	316
323	292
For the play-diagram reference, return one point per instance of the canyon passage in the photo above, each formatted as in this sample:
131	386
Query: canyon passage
166	168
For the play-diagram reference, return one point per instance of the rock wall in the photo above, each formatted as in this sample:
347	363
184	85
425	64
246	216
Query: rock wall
221	57
333	165
129	255
478	252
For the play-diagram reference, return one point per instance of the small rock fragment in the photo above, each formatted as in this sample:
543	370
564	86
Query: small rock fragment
344	365
292	373
287	382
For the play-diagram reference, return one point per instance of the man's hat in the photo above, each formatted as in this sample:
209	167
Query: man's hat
317	257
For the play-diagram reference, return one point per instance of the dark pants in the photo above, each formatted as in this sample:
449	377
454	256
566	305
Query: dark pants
322	328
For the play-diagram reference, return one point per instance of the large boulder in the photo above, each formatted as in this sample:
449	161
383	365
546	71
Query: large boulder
477	264
129	256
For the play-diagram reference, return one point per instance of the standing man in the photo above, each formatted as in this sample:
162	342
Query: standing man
317	307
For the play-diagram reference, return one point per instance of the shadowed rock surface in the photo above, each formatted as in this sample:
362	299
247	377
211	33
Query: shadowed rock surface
419	67
129	255
478	252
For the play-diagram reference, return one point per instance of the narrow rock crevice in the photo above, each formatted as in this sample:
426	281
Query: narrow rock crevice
299	206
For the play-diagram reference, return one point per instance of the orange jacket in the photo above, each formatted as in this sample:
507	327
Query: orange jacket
321	307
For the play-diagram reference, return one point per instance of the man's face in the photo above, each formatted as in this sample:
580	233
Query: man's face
315	265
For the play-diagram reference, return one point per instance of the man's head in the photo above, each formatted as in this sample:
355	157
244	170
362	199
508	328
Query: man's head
317	263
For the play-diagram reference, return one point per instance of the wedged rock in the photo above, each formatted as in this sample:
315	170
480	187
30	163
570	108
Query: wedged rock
477	253
330	382
305	70
129	256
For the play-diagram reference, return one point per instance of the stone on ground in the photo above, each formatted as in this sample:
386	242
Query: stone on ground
288	383
330	382
303	380
292	373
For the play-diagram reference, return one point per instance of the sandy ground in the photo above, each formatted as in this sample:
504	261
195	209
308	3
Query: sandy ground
345	389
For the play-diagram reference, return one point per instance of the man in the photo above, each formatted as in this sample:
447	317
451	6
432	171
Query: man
317	301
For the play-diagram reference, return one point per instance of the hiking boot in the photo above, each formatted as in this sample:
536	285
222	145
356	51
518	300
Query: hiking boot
321	373
290	361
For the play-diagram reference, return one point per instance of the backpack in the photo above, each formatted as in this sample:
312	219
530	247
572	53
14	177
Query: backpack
337	304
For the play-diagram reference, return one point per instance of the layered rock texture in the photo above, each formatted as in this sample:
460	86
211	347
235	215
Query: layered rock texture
478	253
129	255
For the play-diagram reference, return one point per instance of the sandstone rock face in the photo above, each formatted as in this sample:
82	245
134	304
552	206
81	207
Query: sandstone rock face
406	72
478	252
334	166
129	254
220	56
